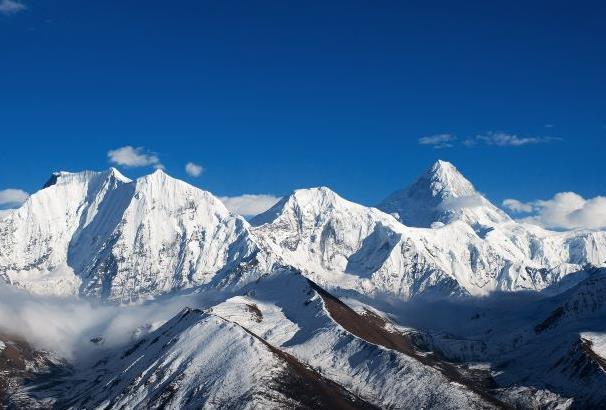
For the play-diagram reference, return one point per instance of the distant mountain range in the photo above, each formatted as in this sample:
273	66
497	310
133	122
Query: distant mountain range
101	234
315	299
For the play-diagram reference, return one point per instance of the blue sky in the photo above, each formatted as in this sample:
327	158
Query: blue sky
272	96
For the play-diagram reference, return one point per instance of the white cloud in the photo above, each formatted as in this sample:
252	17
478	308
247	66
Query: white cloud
517	206
462	202
503	139
566	210
13	196
133	157
193	170
249	204
439	140
8	7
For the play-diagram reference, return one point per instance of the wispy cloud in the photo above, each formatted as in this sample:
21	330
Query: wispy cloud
193	170
439	140
8	7
566	210
503	139
249	204
12	197
494	138
133	157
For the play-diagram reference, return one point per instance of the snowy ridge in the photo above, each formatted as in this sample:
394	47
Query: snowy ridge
342	244
264	348
104	235
197	360
339	243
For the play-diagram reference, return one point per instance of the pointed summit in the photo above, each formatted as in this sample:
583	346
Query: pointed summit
445	180
118	175
442	194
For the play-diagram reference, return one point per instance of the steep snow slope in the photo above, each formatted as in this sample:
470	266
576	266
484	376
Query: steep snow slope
532	258
284	342
102	234
197	360
35	239
371	363
171	236
338	243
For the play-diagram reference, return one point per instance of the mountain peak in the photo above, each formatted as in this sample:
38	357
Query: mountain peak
441	164
445	180
316	200
159	176
310	194
441	194
118	175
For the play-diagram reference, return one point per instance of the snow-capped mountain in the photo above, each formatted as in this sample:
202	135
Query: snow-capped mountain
341	244
267	348
102	234
268	325
99	233
442	195
200	360
471	248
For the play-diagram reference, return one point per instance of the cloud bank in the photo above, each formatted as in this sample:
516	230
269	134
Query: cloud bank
566	210
66	325
249	204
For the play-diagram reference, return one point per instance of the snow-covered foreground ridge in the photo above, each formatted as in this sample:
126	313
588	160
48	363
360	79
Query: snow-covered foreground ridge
101	234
